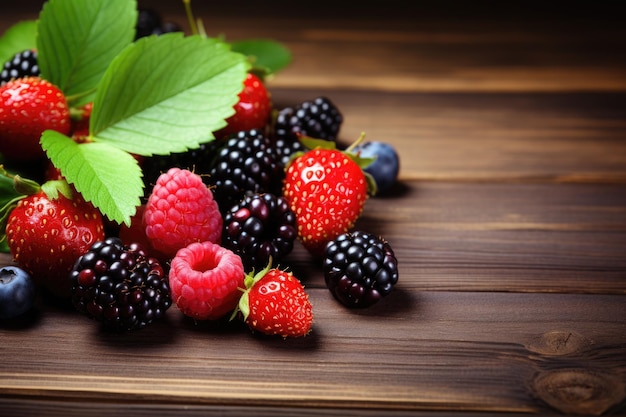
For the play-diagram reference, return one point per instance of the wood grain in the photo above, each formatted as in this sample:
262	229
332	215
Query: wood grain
440	362
489	137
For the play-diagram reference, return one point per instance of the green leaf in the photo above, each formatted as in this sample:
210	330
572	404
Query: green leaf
244	305
167	94
106	176
77	41
4	246
53	188
19	37
265	54
313	143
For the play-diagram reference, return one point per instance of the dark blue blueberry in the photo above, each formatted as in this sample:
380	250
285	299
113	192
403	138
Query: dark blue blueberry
385	167
17	292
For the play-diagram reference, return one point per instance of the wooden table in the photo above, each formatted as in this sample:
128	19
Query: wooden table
509	223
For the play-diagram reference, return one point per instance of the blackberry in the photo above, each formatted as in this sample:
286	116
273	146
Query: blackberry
120	285
359	268
318	118
285	149
261	227
23	64
199	160
246	164
149	22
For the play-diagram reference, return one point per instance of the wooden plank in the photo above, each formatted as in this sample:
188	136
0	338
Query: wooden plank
421	47
433	351
497	237
432	47
488	137
500	237
52	408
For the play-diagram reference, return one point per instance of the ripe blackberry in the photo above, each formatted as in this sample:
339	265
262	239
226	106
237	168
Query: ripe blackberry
318	118
120	286
260	227
23	64
359	268
149	22
246	164
199	160
285	148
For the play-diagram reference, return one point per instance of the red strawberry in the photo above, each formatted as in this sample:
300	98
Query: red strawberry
80	123
136	232
28	106
46	236
253	109
327	190
275	303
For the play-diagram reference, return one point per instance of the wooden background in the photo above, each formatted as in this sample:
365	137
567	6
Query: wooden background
509	223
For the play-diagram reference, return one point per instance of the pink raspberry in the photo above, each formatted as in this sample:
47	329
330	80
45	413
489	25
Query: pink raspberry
181	210
205	280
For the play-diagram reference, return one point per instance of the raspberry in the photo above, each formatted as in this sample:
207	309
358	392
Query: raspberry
23	64
261	227
119	285
205	279
181	210
246	164
359	268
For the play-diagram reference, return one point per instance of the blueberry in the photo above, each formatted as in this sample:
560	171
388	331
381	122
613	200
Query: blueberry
17	292
385	167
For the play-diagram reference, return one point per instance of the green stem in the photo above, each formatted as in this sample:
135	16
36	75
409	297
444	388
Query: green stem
25	186
356	142
190	18
72	99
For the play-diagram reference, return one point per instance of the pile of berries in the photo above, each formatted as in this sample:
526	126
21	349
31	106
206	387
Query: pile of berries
215	221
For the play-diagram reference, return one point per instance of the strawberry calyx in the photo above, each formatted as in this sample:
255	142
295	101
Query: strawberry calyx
311	143
250	279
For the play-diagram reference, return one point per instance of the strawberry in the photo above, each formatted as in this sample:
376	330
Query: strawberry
275	303
327	190
80	122
253	109
28	106
48	230
136	232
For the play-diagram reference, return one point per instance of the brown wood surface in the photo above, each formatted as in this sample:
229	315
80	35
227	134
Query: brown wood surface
509	223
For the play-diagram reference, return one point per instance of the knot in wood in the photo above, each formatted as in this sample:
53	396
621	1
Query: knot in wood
579	391
559	342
